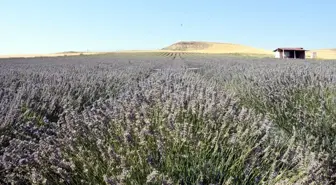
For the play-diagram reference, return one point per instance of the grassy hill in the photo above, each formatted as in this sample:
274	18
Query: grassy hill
215	47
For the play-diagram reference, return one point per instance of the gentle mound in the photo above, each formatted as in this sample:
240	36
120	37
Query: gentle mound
188	46
213	47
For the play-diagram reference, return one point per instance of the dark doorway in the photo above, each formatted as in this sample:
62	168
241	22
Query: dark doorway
296	54
300	54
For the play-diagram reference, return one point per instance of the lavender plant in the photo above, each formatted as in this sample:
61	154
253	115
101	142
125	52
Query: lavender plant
188	119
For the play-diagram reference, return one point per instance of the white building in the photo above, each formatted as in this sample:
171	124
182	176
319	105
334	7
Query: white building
296	53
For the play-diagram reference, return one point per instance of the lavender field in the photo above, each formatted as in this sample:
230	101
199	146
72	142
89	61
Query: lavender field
167	119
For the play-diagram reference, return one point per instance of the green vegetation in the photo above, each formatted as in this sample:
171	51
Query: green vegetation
118	119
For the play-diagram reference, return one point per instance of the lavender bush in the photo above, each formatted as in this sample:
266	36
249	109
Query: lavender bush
167	119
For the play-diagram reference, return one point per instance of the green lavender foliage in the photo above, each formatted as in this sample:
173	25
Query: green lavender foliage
190	119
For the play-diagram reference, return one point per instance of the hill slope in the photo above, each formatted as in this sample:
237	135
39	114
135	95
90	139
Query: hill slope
214	47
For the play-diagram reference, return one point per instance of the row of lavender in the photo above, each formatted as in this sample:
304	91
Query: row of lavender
193	120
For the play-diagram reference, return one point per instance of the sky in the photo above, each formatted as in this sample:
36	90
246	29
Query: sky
48	26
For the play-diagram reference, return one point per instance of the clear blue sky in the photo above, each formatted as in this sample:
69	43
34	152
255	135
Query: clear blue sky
44	26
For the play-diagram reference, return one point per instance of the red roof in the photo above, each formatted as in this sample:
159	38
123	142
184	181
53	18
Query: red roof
291	49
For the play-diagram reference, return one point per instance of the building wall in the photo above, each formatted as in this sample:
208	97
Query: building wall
277	54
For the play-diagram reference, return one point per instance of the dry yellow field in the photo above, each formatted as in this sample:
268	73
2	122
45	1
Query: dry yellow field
214	47
227	48
323	53
47	55
190	47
